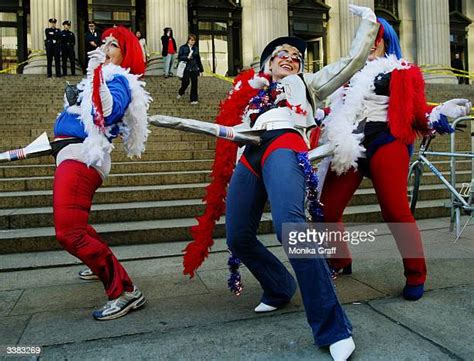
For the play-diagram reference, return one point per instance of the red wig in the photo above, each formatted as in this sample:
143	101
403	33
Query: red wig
130	47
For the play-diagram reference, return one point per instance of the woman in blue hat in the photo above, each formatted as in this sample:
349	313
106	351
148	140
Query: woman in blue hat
278	104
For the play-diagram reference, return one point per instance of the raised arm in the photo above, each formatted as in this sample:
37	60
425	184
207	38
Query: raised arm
332	76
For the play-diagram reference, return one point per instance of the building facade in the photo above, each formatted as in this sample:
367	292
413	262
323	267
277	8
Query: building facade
232	33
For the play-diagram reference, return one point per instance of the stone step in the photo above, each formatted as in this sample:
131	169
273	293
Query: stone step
204	143
15	184
430	178
143	232
174	230
106	195
435	191
17	169
16	218
160	178
114	180
26	136
120	156
367	196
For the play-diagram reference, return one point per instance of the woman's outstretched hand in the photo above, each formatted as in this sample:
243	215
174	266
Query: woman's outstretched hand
363	12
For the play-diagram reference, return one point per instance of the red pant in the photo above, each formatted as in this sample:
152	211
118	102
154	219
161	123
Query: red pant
73	190
389	172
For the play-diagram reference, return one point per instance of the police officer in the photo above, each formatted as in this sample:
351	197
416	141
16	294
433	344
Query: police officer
52	47
92	37
68	40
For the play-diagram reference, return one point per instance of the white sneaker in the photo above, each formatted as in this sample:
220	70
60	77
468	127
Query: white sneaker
342	350
194	102
122	305
87	274
178	96
262	307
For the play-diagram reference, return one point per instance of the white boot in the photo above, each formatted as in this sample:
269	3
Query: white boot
342	350
262	307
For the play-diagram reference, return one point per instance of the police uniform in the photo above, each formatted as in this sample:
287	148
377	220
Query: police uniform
68	40
52	48
89	37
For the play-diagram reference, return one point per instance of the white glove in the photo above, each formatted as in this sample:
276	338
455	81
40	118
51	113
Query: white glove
454	108
363	12
96	57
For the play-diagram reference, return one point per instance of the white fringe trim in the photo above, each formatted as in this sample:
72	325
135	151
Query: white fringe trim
134	127
347	106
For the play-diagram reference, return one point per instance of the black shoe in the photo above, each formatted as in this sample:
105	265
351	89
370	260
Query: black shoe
340	271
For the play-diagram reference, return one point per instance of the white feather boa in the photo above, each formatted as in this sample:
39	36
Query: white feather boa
347	106
134	127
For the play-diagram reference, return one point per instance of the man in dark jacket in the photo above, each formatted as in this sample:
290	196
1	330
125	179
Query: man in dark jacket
51	44
68	41
457	64
92	40
168	50
190	54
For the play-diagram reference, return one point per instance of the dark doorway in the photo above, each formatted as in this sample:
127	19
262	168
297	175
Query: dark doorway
307	19
458	24
217	25
13	34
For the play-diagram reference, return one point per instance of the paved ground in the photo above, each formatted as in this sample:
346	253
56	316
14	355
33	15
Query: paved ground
43	303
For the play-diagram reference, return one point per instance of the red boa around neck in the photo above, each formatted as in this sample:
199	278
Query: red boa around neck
230	114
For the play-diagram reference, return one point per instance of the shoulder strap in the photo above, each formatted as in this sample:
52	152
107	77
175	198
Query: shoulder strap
309	98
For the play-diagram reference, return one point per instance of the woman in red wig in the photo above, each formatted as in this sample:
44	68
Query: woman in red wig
110	102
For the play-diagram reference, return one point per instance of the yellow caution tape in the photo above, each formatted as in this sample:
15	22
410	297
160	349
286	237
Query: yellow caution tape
13	67
226	78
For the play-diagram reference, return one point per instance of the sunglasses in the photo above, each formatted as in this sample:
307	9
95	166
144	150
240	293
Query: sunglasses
284	55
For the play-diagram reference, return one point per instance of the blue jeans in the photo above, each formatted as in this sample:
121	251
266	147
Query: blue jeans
282	183
168	64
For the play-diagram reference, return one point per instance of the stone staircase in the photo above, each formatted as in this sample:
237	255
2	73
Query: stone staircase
153	199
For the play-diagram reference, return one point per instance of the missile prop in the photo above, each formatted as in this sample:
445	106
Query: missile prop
241	133
39	147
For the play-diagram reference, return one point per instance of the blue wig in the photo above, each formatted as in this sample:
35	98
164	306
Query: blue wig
390	37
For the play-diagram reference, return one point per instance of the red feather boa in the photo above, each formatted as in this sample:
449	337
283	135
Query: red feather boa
407	106
230	114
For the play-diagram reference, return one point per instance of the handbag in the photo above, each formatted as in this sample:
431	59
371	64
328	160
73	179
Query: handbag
180	70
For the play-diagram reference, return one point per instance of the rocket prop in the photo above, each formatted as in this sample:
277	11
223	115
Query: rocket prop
39	147
234	133
241	133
